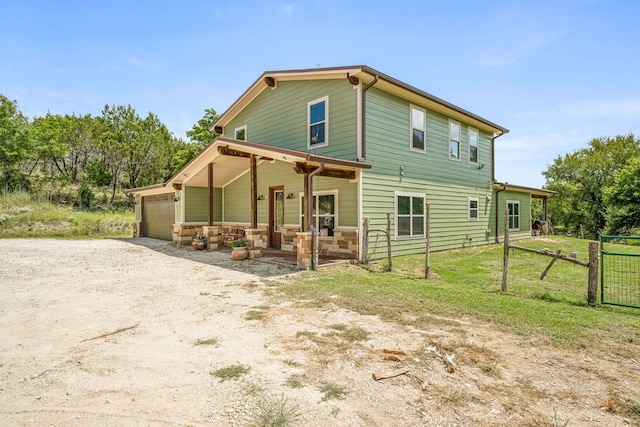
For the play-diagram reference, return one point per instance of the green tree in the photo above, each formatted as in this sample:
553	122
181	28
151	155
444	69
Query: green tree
623	200
201	133
580	179
15	145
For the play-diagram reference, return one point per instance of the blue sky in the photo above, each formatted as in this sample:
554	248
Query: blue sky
555	73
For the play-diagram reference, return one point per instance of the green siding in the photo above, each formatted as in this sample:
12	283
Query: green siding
525	213
450	226
196	204
278	117
388	145
237	205
446	183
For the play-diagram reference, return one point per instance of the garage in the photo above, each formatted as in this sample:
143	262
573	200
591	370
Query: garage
158	216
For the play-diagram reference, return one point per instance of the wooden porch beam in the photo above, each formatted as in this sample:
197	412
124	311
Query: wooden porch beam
226	151
305	169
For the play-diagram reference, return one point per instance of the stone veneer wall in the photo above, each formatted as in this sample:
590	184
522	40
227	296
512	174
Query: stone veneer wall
137	228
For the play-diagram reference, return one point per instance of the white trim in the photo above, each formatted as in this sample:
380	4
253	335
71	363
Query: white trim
477	209
324	99
469	131
424	128
395	214
515	202
451	139
235	133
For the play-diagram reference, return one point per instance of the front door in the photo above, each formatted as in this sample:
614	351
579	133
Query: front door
276	216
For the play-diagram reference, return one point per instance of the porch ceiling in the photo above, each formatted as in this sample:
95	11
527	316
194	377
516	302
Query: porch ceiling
225	170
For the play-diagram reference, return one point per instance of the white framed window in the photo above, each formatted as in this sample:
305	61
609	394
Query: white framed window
473	146
513	206
418	129
454	140
241	133
325	217
473	209
410	214
318	123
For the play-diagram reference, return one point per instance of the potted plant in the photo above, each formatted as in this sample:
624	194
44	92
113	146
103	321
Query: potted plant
199	242
239	249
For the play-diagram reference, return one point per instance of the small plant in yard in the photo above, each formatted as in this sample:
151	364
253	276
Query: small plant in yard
294	381
332	391
208	341
306	334
255	315
274	412
351	334
548	421
199	238
620	406
231	372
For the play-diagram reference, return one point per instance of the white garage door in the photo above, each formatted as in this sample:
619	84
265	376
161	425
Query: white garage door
158	215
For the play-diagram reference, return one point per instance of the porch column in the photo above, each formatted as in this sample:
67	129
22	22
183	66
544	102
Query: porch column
210	184
254	191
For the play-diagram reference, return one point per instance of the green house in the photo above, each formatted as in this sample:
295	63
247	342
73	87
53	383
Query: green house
307	157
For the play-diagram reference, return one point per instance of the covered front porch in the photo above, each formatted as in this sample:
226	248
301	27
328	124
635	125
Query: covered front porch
283	199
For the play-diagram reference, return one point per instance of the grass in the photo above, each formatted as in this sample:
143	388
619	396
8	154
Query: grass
20	216
208	341
468	286
332	391
274	412
231	372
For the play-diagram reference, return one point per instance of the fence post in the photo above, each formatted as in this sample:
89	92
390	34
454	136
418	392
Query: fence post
505	258
365	240
389	242
592	291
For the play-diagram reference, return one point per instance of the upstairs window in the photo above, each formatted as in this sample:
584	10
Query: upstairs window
514	215
473	146
410	215
418	124
473	208
454	140
318	123
241	133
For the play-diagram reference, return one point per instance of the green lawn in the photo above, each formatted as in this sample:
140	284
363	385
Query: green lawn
468	285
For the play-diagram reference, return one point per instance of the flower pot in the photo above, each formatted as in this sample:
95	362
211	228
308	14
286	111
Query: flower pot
199	245
240	253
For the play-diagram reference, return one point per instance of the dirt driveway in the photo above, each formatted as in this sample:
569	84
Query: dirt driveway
141	333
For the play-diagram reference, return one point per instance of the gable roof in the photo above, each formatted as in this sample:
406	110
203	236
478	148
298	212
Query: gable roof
366	75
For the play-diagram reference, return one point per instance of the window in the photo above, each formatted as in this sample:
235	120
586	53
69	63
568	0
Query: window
514	214
454	140
324	212
409	215
418	124
318	129
473	208
473	146
241	133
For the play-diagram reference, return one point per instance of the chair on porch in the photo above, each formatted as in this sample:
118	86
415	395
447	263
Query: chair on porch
236	232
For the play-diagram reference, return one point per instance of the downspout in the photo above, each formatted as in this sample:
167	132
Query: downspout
309	213
493	179
363	153
363	121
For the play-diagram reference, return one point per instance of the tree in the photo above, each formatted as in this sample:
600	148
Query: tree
200	133
580	179
623	200
15	145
